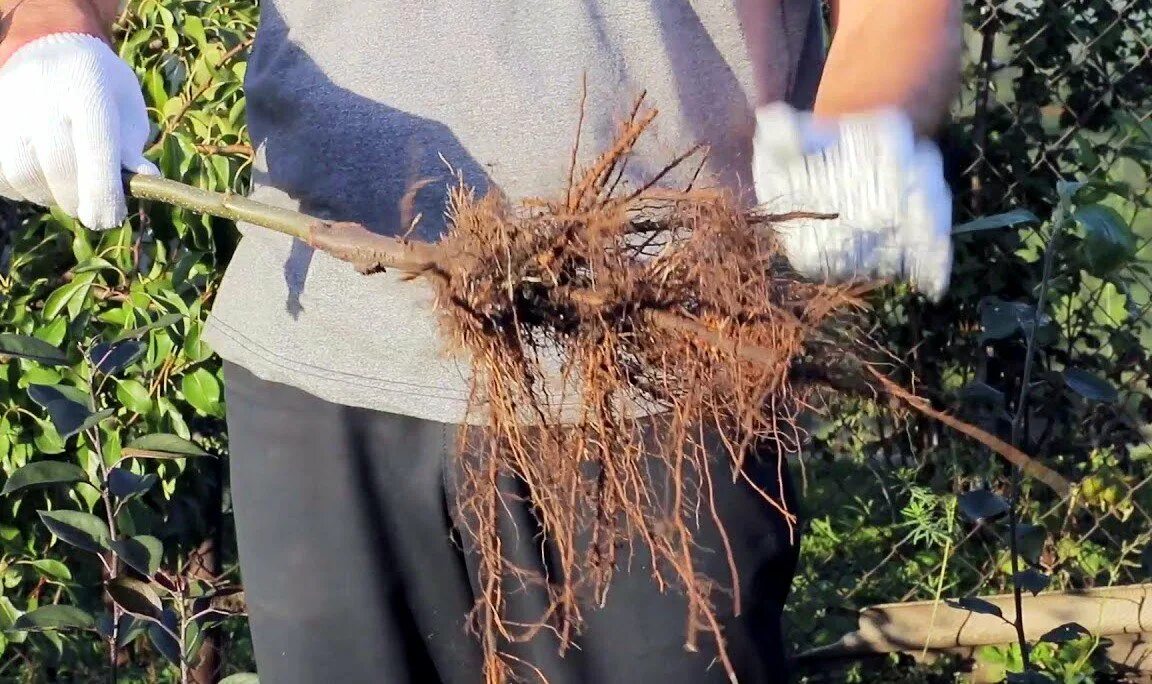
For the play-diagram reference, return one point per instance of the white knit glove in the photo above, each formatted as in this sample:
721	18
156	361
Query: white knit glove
888	189
71	116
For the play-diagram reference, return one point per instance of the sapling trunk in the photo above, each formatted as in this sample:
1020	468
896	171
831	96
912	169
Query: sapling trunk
370	252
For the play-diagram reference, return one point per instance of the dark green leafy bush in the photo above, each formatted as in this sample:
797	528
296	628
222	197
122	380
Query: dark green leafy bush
1054	93
113	519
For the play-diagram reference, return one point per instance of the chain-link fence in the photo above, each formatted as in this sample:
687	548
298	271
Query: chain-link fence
1053	92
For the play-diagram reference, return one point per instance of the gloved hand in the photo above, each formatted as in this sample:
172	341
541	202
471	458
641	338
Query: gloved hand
888	189
72	117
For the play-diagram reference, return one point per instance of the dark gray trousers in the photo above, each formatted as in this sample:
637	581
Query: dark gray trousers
354	570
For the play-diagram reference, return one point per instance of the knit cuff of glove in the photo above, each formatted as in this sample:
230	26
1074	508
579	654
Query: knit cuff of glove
62	38
791	134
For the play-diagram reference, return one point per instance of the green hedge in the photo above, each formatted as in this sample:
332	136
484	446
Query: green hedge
102	335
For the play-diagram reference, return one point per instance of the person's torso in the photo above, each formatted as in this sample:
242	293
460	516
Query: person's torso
351	103
354	102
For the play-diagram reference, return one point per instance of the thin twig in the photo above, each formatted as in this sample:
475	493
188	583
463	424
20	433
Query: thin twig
1013	455
980	127
237	150
1018	423
576	147
174	121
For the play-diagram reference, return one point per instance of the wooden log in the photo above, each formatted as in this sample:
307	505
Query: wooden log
989	620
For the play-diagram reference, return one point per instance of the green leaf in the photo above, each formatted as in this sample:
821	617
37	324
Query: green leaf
1108	243
69	418
124	484
12	578
46	439
36	374
82	530
1001	320
44	473
202	390
194	29
142	553
111	358
54	617
63	295
981	504
196	349
162	640
193	637
1140	452
1090	386
45	394
1005	220
27	347
134	396
1030	541
94	265
163	446
8	616
135	597
241	678
54	333
982	393
81	246
1112	308
184	267
1032	580
78	326
165	321
131	628
51	568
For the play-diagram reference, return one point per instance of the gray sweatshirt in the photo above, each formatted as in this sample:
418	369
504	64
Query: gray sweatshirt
349	103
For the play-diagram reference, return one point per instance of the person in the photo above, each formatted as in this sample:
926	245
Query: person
340	407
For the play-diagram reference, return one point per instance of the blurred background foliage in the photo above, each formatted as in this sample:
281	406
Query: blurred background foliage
1053	92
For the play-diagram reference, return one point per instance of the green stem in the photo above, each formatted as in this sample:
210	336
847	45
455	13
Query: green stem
368	252
113	564
113	561
222	205
943	573
1021	416
181	605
